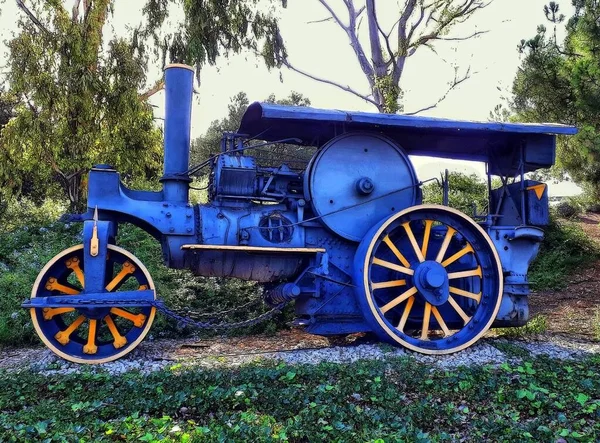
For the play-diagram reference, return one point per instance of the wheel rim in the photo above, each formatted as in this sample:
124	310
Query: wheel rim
431	279
91	335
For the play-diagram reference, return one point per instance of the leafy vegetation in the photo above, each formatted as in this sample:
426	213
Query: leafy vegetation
77	93
565	249
558	81
209	144
397	400
465	193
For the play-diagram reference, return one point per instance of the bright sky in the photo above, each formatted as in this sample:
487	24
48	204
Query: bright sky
323	50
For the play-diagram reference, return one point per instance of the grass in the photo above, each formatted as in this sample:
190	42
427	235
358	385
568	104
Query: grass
397	400
596	324
538	324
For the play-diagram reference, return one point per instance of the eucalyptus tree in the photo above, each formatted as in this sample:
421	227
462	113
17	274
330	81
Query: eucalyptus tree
82	90
382	53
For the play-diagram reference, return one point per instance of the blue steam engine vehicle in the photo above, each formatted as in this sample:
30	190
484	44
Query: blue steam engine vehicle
347	238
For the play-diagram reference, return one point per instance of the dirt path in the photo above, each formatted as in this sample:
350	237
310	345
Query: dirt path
575	310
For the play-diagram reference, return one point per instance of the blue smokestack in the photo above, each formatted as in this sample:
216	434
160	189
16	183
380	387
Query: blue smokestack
179	85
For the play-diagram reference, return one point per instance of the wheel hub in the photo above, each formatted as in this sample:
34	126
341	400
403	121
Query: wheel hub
431	279
96	313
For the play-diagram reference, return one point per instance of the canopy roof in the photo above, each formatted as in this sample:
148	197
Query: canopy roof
498	144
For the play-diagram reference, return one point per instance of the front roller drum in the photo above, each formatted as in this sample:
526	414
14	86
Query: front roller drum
429	279
91	335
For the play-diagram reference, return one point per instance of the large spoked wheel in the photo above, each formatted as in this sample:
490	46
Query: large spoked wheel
86	335
429	278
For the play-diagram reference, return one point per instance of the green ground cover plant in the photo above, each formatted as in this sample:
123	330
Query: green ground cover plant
398	400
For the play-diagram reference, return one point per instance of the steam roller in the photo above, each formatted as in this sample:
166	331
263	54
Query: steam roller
345	237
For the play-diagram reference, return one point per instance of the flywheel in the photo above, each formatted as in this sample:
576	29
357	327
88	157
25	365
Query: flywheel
357	179
428	278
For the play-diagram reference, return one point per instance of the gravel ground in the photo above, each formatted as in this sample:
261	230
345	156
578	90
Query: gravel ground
297	349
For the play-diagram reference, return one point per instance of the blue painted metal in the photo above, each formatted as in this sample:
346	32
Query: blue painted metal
431	279
434	290
179	88
359	176
95	276
131	299
499	143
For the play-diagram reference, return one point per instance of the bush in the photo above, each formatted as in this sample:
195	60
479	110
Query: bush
465	192
565	249
566	209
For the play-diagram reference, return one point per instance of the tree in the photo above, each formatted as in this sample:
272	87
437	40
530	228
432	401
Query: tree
418	24
465	193
209	144
560	82
82	95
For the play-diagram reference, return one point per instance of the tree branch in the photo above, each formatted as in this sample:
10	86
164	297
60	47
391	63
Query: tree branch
158	86
455	83
75	14
326	19
333	14
288	65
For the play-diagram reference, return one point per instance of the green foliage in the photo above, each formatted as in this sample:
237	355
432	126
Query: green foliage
209	144
77	104
559	83
464	192
212	28
565	249
396	400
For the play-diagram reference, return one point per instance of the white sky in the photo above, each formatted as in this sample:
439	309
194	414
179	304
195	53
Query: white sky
323	50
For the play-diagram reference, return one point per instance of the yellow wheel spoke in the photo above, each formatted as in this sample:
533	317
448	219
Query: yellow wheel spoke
143	288
54	285
426	235
388	284
119	340
392	266
395	302
471	273
49	313
406	313
90	347
137	319
458	255
459	310
396	252
440	320
73	264
425	327
127	269
449	233
413	241
468	294
63	337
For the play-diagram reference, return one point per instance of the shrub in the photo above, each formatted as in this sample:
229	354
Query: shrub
565	249
566	210
465	192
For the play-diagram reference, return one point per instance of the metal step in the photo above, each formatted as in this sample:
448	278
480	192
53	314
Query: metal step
257	249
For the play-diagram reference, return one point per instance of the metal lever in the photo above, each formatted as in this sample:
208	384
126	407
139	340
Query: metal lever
94	243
